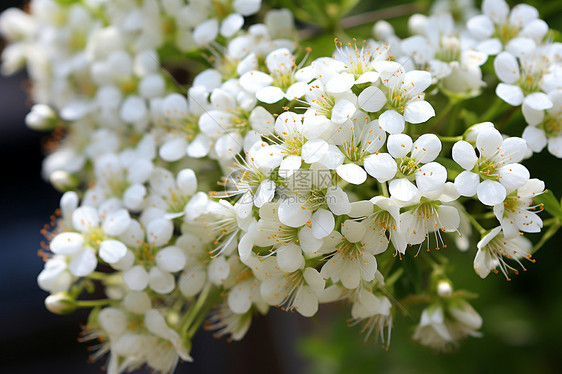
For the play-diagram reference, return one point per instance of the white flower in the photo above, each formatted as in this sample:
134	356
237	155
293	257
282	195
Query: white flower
171	195
381	219
432	330
522	82
516	213
225	322
281	82
404	93
375	314
430	215
498	26
492	249
327	111
415	162
441	328
55	276
495	172
545	126
295	291
94	237
352	264
350	66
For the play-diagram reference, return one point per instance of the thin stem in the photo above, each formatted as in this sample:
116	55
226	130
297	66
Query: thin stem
92	303
501	126
191	314
450	139
475	223
492	111
552	230
442	116
384	189
98	276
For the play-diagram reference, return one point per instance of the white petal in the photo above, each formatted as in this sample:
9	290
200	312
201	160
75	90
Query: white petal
513	95
332	158
535	138
294	213
159	232
352	173
488	142
532	116
431	176
513	176
84	263
340	83
399	145
270	94
254	80
231	24
85	218
173	150
538	101
353	231
313	150
171	259
206	32
480	26
116	222
265	192
490	192
308	243
66	243
322	223
402	189
418	111
464	155
391	122
372	99
240	299
343	111
337	200
161	281
466	183
381	166
111	251
514	150
289	165
507	68
290	258
133	109
306	302
136	278
416	81
426	148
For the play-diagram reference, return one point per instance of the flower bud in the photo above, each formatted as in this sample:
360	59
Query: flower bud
444	288
417	24
63	181
60	303
41	118
383	30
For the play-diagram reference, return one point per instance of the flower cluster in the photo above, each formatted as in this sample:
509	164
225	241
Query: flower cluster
273	179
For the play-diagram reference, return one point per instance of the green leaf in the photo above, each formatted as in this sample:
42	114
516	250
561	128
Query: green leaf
550	203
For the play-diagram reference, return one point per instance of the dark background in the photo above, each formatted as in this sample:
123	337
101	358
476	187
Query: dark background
522	319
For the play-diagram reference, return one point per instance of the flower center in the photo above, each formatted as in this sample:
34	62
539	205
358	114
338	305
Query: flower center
552	126
506	32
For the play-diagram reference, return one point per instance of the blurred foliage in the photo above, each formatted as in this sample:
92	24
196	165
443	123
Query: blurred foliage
522	324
